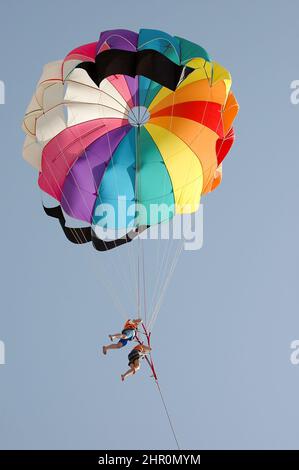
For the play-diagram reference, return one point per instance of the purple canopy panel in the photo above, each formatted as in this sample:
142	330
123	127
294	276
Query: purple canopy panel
133	87
83	180
118	39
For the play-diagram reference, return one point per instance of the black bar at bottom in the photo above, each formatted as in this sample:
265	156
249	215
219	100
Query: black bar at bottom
132	458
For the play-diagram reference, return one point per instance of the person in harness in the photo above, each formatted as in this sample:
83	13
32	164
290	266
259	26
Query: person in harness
128	334
134	357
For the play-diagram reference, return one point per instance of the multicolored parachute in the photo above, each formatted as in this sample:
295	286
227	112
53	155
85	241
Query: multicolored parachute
126	133
134	119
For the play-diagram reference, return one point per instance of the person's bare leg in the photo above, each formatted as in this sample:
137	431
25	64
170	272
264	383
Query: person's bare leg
112	346
117	336
128	373
133	369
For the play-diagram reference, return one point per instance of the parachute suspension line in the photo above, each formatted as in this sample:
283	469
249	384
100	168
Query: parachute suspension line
138	285
144	286
162	273
123	275
131	251
111	292
139	241
166	259
150	362
168	262
166	283
114	295
163	268
116	270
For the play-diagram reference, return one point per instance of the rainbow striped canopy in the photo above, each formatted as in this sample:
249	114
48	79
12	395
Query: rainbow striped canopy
142	116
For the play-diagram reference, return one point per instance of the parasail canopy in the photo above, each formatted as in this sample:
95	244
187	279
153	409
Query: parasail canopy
128	131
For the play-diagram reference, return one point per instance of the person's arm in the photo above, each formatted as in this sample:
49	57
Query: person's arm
137	321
